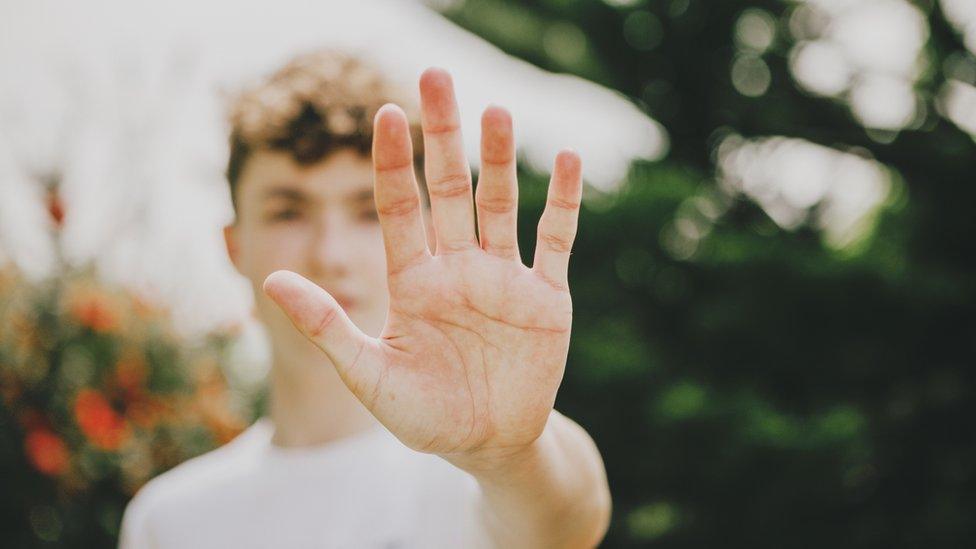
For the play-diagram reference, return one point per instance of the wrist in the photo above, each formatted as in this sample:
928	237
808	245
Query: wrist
507	464
551	492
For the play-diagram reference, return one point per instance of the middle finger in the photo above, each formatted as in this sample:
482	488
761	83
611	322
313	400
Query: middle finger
446	167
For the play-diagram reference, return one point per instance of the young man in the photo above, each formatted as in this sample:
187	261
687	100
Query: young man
412	406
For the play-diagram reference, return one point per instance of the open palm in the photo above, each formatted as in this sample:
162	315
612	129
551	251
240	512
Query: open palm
475	343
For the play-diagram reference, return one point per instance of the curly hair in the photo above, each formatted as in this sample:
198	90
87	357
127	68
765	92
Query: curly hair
318	103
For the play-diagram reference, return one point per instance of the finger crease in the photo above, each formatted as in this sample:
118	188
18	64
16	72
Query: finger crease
450	186
557	243
323	323
505	162
501	250
496	205
394	168
559	286
455	247
399	207
564	204
439	130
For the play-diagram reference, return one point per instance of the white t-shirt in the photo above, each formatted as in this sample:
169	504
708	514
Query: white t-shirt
367	490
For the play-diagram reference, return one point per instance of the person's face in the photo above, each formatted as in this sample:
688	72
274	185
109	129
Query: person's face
319	221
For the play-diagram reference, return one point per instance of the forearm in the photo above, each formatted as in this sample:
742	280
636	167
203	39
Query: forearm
552	494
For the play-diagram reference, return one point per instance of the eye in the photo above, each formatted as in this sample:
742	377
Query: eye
369	215
284	215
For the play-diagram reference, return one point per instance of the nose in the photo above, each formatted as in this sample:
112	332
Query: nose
331	248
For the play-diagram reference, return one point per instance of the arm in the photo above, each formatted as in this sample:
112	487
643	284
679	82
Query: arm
475	344
552	494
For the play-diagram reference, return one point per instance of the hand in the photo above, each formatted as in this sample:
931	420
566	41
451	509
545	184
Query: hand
475	343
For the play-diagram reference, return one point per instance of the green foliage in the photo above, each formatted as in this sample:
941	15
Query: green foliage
97	396
757	388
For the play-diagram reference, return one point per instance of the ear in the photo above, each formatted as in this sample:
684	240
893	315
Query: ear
230	242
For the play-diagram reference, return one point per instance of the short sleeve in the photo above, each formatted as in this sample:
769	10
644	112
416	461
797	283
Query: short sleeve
135	532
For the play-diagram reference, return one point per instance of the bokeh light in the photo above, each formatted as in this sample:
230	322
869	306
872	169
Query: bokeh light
796	181
871	49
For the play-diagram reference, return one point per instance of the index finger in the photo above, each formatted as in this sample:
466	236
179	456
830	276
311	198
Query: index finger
396	194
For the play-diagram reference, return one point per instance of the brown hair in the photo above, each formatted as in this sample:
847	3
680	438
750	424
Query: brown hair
318	103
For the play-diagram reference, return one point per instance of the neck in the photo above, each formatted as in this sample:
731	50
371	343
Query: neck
310	405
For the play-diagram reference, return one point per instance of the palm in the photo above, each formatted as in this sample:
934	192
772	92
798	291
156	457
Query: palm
474	350
475	342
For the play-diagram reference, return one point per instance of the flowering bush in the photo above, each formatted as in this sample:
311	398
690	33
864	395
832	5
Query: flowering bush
97	395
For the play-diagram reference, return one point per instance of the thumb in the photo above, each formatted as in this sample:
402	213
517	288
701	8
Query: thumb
319	317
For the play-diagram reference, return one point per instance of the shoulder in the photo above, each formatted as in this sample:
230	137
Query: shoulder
189	487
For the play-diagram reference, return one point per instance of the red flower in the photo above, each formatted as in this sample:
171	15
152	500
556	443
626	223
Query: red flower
55	208
130	375
103	426
148	412
96	311
46	451
145	308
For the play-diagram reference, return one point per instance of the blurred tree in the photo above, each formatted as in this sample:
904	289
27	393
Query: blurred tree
750	385
98	394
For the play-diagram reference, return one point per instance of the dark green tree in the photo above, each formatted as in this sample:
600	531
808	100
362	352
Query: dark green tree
765	389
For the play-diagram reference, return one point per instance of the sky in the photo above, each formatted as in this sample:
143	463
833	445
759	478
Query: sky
122	101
